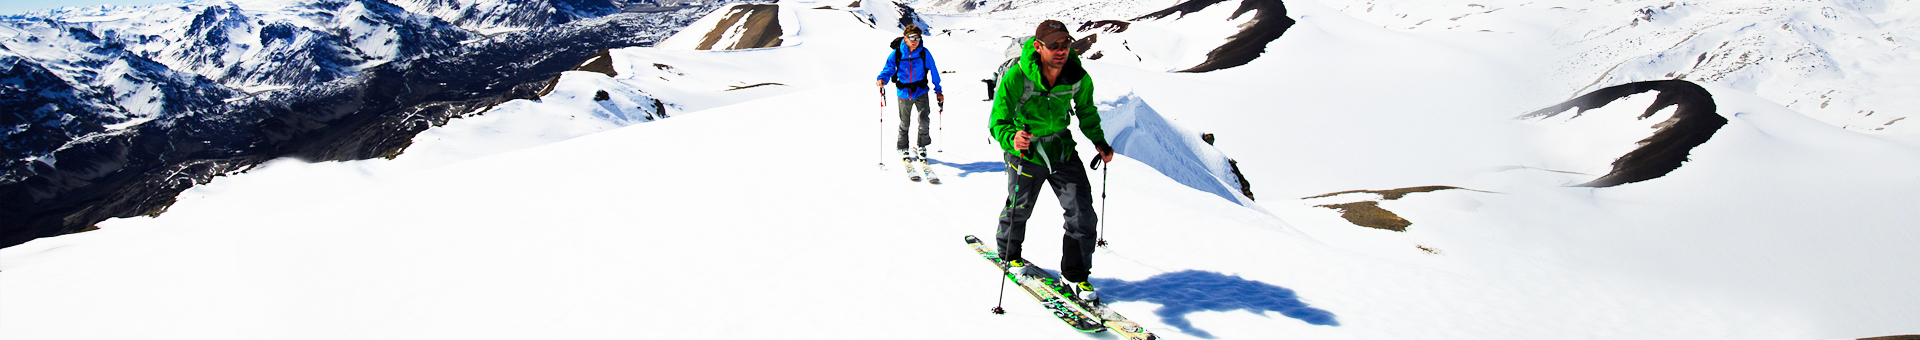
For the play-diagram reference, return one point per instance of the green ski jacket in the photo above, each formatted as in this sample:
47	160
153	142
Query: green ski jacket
1024	101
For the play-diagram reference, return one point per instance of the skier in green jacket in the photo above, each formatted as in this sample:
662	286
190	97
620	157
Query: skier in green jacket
1037	99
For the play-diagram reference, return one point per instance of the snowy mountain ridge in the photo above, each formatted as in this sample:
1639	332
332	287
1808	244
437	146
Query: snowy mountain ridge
490	16
129	65
1850	63
63	82
545	218
270	43
118	131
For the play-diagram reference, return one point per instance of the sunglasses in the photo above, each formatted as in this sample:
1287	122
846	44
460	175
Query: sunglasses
915	37
1057	44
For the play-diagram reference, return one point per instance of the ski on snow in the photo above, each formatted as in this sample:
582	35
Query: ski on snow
1049	290
912	175
910	157
927	170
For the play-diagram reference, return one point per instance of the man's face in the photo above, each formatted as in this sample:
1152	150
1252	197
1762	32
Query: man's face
913	41
1054	54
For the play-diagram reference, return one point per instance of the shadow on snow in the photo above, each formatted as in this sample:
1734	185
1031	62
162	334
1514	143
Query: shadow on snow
971	168
1184	292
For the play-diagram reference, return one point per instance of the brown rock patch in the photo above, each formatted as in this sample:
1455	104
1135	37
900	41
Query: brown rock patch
602	63
1369	214
762	27
753	86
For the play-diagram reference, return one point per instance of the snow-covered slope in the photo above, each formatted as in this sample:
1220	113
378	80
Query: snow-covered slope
492	16
1034	11
758	197
1181	154
891	15
1848	63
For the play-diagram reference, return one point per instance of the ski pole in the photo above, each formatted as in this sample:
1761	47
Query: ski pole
1002	300
1103	204
943	127
883	127
1095	164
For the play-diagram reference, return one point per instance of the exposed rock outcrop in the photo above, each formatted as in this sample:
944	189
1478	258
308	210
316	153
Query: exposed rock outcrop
1269	22
1368	213
1694	122
746	26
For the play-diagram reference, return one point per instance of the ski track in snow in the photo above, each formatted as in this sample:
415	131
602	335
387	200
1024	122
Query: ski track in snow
758	212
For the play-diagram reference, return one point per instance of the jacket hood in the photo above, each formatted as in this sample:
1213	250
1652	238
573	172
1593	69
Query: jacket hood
1030	60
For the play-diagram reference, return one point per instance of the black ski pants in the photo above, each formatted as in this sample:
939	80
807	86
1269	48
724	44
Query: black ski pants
1075	193
906	121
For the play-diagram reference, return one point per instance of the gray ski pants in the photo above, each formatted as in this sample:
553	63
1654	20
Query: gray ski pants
1075	193
906	124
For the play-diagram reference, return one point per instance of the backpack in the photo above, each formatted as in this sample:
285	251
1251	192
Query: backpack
896	64
1013	57
1012	53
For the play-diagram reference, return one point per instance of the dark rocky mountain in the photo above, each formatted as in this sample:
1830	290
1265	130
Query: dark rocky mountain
62	82
76	75
1695	119
78	156
1269	22
492	14
305	42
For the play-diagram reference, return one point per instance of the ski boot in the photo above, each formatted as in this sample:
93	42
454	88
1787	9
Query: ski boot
907	160
1084	292
1018	267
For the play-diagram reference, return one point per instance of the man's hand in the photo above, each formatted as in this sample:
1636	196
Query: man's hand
877	82
940	97
1022	140
1106	155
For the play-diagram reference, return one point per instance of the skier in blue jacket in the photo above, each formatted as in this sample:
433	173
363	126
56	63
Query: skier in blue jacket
910	67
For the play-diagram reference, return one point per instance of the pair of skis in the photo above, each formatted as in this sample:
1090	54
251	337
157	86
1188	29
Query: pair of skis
1054	294
910	157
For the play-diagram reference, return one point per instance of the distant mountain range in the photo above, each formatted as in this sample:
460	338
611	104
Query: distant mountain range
108	111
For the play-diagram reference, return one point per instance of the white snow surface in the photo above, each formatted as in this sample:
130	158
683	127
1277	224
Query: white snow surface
757	212
1850	63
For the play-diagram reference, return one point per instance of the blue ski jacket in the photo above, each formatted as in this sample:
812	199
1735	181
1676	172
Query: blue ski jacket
913	69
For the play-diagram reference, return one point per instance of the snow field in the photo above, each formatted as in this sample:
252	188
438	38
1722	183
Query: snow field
757	212
1847	63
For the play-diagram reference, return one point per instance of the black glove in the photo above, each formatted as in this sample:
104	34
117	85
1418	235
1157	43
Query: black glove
1103	149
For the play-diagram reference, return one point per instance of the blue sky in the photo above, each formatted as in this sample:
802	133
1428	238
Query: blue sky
17	6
